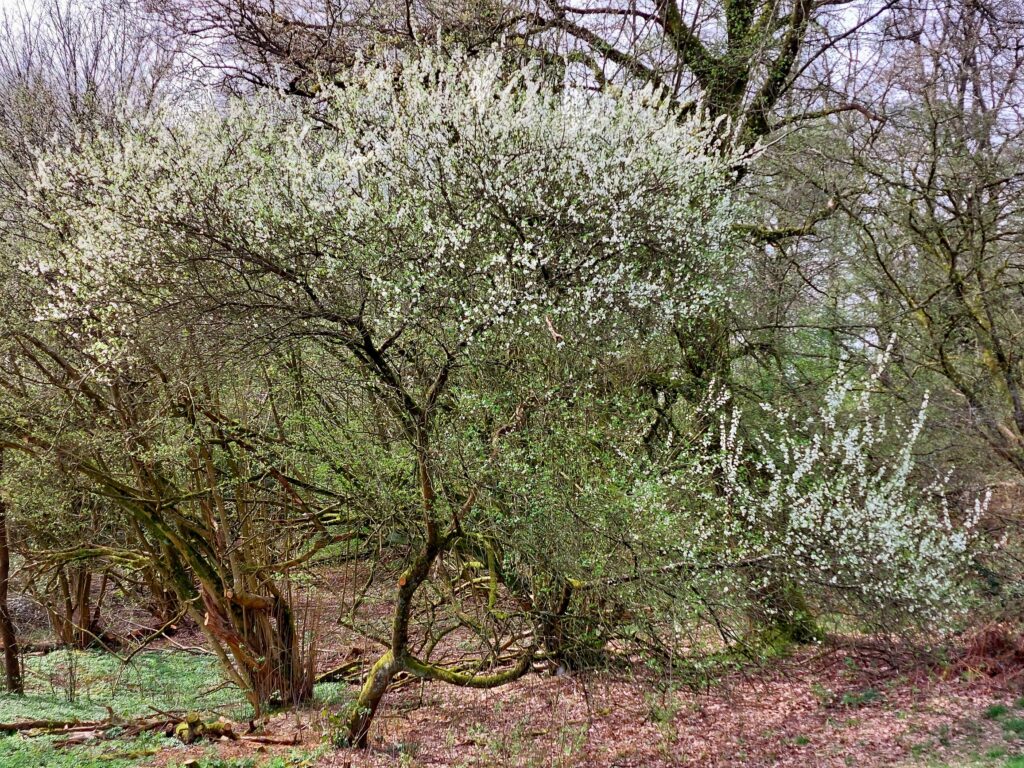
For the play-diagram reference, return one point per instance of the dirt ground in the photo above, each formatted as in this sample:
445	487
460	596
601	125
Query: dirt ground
840	706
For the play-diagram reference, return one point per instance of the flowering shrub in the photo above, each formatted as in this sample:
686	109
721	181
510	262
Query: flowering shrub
830	505
427	232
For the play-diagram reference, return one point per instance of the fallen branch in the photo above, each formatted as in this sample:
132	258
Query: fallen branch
52	725
40	649
192	729
349	672
98	727
287	742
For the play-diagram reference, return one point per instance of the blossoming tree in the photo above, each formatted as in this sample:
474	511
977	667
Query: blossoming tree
417	226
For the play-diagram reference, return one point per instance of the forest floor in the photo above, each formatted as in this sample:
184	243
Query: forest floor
844	704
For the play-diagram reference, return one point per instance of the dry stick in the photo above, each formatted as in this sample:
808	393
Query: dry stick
47	727
73	726
291	741
171	716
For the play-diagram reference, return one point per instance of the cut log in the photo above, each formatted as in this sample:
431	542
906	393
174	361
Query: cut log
192	729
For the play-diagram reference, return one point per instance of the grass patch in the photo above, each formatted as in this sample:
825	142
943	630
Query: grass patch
860	698
992	759
80	685
296	759
19	752
1014	726
995	711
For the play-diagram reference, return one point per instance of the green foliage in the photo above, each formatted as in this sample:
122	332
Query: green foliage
296	759
1003	714
825	696
445	327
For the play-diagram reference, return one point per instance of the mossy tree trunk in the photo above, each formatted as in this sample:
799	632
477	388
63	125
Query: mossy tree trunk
254	633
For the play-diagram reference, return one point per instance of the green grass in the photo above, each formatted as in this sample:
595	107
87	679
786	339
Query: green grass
296	759
80	685
1014	725
20	752
992	759
861	698
1006	755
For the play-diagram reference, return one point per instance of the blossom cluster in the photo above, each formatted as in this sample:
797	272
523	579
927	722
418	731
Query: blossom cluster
439	198
830	503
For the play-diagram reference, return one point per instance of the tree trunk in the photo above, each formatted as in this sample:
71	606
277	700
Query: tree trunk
12	664
393	661
357	730
70	611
